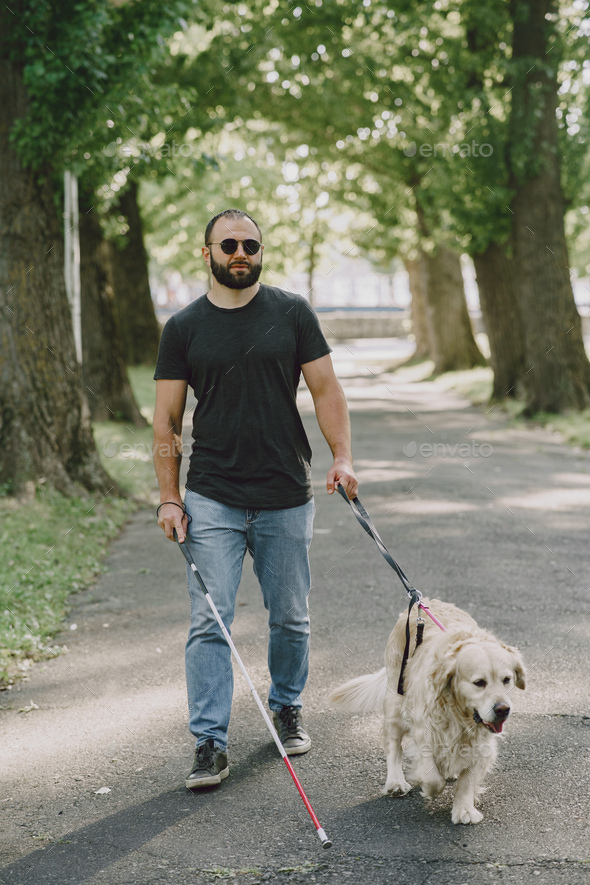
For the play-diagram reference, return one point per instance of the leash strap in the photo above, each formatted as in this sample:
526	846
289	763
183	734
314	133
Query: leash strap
367	523
415	596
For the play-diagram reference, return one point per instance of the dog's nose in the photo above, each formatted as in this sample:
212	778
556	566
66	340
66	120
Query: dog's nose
501	711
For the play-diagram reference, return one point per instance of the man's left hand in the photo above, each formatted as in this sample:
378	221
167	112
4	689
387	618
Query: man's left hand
342	472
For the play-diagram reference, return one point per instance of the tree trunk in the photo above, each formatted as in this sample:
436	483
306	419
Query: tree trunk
450	334
105	374
45	430
313	258
558	371
417	273
140	333
496	281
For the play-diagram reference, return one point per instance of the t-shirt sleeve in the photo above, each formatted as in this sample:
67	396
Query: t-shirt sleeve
311	344
171	364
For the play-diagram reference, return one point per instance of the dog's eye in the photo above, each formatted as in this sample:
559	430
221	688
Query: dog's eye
481	683
507	680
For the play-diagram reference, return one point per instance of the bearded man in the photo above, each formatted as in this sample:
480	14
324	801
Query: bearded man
242	347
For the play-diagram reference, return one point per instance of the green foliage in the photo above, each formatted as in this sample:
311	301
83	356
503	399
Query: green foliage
286	186
49	547
382	85
83	62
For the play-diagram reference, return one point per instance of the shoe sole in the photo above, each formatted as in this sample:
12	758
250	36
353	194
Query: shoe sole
298	751
212	781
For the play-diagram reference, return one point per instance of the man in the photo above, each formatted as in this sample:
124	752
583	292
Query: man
242	347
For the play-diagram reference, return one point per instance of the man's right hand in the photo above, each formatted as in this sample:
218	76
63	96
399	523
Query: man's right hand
173	517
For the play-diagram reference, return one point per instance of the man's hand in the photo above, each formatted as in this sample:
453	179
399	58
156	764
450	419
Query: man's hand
342	472
173	517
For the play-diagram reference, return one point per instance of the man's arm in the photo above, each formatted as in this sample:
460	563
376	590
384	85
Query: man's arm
170	403
332	414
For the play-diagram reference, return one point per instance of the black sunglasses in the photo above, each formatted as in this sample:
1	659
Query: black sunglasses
251	247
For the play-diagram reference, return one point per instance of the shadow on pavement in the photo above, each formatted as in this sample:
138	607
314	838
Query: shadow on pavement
84	852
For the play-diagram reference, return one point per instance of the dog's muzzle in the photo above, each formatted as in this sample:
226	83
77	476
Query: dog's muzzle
501	713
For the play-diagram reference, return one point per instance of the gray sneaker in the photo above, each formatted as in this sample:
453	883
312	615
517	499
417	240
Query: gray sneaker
289	725
209	768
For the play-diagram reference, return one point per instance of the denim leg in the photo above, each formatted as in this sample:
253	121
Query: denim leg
280	541
217	540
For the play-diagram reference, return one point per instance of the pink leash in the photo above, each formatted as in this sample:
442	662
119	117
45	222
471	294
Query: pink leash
431	616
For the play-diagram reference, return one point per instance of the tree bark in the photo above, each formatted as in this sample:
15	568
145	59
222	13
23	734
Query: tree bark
105	373
418	280
558	371
140	332
45	430
313	258
498	297
450	334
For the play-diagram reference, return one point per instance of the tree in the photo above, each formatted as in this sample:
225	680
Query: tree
45	430
559	371
51	89
128	276
439	71
103	366
307	82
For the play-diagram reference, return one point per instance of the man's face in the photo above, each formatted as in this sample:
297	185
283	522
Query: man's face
238	270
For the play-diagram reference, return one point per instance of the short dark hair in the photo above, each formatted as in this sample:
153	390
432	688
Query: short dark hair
229	213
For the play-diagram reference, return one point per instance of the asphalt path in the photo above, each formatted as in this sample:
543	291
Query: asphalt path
492	518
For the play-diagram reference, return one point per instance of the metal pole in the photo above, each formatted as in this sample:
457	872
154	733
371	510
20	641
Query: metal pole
72	257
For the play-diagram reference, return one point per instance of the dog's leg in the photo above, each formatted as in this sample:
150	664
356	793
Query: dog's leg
464	810
427	773
393	731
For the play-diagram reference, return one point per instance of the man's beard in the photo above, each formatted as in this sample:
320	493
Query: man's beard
225	277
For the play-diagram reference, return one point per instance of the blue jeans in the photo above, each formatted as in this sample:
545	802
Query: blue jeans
278	541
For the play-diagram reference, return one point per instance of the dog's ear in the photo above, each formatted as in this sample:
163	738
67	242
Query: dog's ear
518	663
446	661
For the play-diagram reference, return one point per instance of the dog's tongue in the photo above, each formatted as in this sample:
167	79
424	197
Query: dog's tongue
496	727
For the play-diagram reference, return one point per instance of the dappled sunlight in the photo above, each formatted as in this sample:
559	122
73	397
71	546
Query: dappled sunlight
432	506
375	471
548	499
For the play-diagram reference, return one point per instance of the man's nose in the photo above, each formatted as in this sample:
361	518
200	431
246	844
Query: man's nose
240	251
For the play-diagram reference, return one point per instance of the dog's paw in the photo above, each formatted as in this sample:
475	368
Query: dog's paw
396	788
466	815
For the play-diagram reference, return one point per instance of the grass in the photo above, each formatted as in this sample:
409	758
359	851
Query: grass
476	386
53	546
574	427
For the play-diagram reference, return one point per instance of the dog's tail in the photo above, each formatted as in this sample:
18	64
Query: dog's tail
365	694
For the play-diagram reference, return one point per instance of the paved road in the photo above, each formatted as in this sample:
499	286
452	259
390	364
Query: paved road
494	519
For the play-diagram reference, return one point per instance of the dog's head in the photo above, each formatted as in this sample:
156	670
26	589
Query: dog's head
480	673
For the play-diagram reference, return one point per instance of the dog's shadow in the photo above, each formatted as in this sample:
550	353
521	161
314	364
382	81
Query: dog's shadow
396	819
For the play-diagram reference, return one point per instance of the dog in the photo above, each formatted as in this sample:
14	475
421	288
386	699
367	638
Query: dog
457	693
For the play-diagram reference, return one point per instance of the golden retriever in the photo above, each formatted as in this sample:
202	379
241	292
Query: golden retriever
457	688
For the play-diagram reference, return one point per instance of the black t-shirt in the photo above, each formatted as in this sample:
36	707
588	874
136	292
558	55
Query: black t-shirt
249	446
